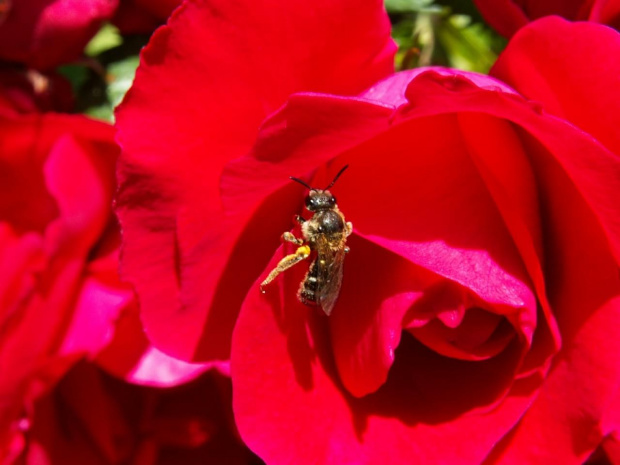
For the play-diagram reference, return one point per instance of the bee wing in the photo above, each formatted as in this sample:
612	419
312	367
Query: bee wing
330	258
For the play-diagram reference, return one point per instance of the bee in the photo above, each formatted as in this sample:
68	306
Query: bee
324	239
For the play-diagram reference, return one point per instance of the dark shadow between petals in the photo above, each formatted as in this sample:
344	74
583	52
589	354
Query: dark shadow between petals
248	259
425	387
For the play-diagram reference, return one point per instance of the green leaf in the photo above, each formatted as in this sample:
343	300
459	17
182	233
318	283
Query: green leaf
405	6
469	46
104	112
120	77
77	75
442	33
107	38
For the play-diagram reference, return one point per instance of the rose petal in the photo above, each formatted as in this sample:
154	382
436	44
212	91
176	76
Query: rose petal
142	16
390	92
20	258
367	322
22	177
610	425
606	12
281	362
592	169
505	16
312	127
97	307
451	226
44	33
83	209
160	8
571	9
49	245
611	446
30	92
571	412
470	340
82	186
91	418
508	16
564	423
553	62
169	194
309	131
130	18
130	356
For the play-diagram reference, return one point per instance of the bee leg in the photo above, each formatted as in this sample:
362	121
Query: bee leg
349	228
299	219
300	254
288	237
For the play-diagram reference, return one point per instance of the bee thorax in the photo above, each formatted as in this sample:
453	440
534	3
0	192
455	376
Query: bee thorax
327	223
330	222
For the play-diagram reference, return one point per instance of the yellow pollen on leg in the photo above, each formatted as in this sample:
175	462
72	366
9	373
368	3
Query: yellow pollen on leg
303	250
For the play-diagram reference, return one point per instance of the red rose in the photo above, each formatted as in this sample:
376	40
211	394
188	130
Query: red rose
60	292
92	418
163	224
45	33
508	16
480	298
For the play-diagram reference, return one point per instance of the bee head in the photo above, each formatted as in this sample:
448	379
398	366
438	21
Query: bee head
318	200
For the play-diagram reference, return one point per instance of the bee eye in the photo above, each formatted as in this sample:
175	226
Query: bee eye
309	202
332	200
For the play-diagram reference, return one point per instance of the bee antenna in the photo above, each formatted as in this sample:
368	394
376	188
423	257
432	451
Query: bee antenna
301	182
336	177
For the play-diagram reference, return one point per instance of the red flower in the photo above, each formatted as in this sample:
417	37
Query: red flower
45	33
92	418
60	295
486	237
508	16
59	292
165	233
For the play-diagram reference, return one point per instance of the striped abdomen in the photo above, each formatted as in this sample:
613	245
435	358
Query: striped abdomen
308	290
